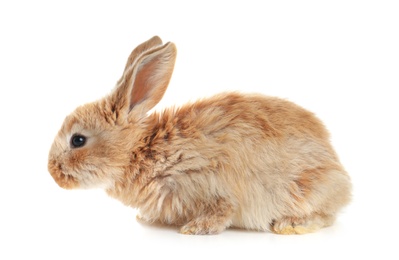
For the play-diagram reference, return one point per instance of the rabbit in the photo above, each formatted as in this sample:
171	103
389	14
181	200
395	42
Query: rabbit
235	160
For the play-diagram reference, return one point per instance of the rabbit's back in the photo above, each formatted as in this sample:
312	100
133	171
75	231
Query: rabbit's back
268	116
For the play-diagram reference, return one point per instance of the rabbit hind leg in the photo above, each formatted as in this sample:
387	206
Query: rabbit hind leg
304	225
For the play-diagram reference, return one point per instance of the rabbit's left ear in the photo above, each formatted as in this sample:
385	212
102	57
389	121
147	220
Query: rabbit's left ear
144	83
136	53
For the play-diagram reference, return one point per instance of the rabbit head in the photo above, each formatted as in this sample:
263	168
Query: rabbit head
93	146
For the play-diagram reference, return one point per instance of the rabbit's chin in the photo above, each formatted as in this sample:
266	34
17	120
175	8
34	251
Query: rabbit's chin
92	183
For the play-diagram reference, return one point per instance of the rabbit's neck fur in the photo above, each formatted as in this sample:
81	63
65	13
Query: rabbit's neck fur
152	159
176	145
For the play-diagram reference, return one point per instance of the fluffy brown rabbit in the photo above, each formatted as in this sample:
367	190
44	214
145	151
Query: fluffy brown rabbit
232	160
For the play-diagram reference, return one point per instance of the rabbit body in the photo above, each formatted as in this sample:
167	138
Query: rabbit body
232	160
237	160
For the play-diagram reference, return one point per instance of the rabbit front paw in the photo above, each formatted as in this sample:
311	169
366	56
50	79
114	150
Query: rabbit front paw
202	227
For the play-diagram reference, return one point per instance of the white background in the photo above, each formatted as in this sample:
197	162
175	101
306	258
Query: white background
339	59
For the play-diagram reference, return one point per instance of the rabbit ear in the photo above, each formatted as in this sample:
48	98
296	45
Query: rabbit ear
144	83
145	46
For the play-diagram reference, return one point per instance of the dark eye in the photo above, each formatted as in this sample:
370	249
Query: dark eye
78	141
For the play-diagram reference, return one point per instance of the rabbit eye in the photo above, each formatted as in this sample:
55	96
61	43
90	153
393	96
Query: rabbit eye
78	141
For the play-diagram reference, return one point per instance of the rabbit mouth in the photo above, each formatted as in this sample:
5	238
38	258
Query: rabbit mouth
63	180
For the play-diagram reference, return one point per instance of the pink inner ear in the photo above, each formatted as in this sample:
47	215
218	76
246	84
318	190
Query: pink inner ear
143	83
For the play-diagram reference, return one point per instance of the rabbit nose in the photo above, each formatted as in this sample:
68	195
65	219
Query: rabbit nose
63	180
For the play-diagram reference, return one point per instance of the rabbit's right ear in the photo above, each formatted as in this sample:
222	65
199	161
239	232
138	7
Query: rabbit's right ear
143	83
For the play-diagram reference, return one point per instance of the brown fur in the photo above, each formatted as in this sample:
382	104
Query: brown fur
241	160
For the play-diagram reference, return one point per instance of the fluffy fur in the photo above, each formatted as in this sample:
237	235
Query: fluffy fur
232	160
